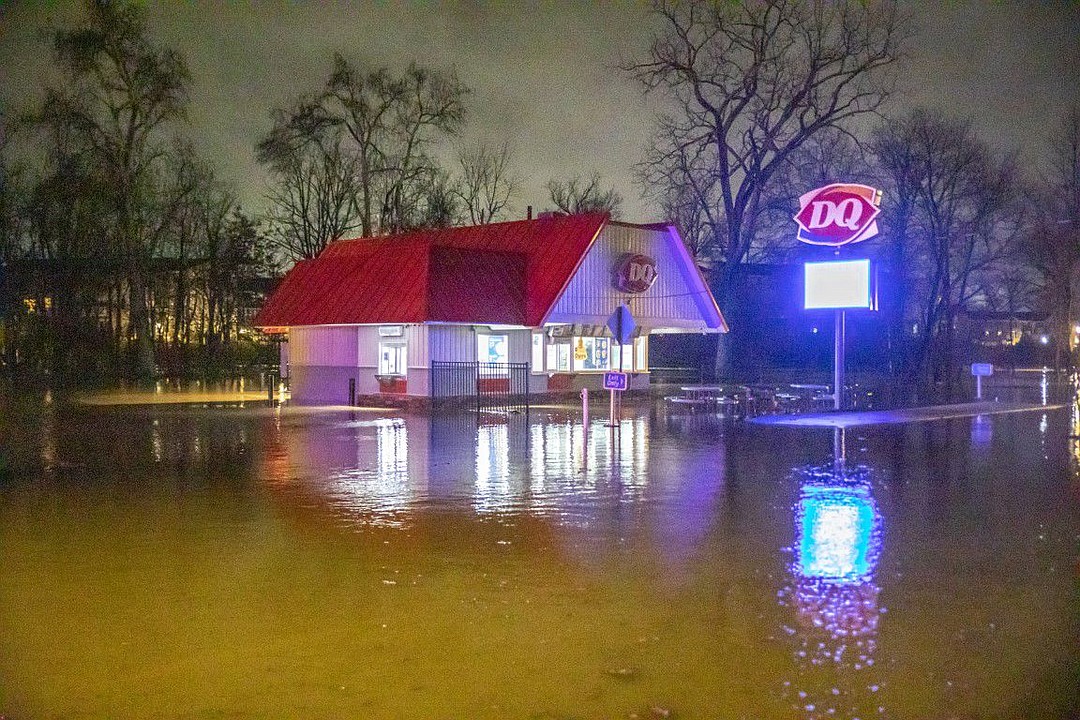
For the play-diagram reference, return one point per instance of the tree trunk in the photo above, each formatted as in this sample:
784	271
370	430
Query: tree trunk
140	326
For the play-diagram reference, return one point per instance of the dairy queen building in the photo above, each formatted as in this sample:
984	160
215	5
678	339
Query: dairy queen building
528	306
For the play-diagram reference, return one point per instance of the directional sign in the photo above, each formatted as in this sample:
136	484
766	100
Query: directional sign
622	325
982	369
615	381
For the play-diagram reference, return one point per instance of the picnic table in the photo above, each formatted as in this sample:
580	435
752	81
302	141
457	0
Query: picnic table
749	400
723	398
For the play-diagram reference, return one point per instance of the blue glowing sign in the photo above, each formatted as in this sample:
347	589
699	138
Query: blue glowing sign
836	534
622	325
838	285
615	381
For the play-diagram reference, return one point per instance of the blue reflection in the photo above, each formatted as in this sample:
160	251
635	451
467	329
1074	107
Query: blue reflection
833	593
982	431
836	529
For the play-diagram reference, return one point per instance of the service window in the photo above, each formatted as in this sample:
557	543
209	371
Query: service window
538	352
558	357
392	358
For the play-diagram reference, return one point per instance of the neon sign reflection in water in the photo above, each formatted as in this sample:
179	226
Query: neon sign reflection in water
834	596
837	525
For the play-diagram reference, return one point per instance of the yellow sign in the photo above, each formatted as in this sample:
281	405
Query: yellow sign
579	351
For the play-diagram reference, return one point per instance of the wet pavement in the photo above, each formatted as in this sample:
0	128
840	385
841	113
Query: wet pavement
216	559
844	419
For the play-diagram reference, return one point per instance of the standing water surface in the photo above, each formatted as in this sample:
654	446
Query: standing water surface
214	561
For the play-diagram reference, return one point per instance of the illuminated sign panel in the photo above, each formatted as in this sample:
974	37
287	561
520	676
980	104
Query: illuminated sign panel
838	285
615	381
838	214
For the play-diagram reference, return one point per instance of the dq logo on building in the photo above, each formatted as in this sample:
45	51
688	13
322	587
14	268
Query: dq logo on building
838	214
635	273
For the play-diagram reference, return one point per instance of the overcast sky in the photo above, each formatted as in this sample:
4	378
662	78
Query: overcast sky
544	75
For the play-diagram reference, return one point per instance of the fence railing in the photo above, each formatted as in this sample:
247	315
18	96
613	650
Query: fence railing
499	385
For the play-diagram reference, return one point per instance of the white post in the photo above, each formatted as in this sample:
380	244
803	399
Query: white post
585	411
978	387
838	362
614	422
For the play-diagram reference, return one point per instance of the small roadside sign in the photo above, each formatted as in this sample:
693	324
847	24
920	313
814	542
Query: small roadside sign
615	381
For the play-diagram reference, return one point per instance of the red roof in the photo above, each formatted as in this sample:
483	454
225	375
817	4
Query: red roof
507	273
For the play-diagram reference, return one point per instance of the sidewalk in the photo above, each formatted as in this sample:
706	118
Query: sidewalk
905	415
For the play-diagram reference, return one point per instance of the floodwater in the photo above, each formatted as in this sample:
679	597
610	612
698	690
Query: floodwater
211	560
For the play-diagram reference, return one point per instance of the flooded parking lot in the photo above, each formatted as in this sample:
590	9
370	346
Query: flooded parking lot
227	560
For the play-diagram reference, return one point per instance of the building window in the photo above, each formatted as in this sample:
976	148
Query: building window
492	349
538	352
591	354
392	358
558	357
622	357
641	352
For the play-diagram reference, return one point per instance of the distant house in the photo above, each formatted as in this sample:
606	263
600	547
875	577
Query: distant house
378	316
992	329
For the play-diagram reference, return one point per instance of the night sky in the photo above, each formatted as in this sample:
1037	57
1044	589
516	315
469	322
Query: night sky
544	76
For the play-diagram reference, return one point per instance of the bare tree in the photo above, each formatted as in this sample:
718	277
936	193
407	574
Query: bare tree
751	83
1053	242
485	184
384	129
578	195
1065	183
11	234
315	183
120	94
957	219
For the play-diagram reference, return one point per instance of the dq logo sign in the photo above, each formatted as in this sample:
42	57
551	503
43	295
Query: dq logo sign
838	214
635	273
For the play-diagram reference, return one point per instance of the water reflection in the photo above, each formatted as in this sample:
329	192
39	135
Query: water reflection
611	571
833	594
982	431
605	488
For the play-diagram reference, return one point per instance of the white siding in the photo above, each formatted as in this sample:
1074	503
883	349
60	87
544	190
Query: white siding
323	345
367	346
452	343
591	297
520	342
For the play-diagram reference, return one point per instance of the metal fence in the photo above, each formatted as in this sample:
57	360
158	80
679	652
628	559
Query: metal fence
483	385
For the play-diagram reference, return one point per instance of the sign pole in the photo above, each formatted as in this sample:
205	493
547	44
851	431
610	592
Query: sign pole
618	339
839	338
